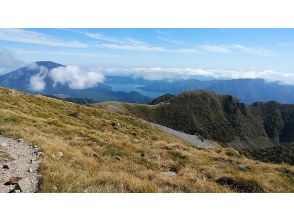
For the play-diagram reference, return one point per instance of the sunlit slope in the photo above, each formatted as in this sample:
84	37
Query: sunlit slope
107	152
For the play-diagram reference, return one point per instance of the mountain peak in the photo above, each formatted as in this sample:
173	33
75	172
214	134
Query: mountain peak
48	64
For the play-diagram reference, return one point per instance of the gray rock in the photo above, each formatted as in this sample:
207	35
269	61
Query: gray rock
5	166
25	185
117	158
169	173
244	167
54	188
60	154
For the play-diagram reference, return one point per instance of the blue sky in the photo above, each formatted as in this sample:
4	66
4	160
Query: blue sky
219	49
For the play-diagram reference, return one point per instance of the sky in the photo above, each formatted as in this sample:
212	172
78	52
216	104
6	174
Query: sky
157	53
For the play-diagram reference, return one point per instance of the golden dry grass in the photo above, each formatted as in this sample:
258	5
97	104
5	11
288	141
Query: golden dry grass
93	140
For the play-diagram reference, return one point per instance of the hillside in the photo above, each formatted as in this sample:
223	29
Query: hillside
223	118
87	149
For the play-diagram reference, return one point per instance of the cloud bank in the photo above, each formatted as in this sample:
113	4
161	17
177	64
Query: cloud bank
37	82
75	78
70	76
159	73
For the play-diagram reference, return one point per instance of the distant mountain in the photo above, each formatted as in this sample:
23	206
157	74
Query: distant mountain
223	118
21	79
246	90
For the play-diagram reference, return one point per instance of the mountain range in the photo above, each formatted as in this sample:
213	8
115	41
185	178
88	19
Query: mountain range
246	90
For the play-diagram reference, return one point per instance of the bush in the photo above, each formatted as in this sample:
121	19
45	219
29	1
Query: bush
274	154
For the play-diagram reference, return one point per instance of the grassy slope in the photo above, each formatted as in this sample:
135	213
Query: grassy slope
92	139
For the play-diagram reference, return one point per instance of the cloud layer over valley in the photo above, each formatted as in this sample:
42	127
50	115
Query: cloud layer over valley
160	73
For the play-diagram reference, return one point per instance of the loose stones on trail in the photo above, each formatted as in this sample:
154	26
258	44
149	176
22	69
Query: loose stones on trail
20	172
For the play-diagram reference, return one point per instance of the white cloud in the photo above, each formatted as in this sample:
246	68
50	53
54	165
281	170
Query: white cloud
27	36
32	66
133	47
65	53
181	46
226	49
214	49
123	43
283	44
172	41
218	48
159	73
8	62
253	50
75	78
37	82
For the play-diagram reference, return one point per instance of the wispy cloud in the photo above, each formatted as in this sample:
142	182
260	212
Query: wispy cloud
284	44
123	43
33	37
215	48
67	53
173	41
8	61
253	50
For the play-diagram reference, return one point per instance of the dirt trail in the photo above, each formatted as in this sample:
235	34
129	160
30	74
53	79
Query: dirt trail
19	166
